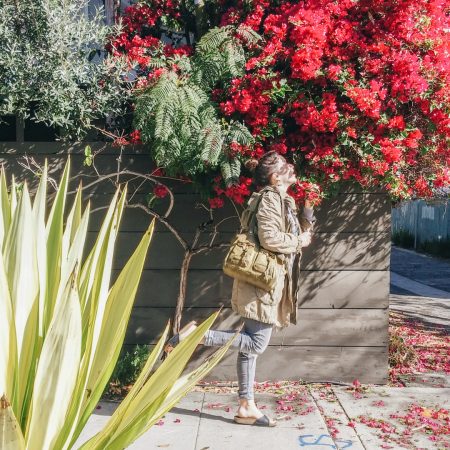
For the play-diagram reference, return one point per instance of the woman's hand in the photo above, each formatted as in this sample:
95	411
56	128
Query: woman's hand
305	239
308	204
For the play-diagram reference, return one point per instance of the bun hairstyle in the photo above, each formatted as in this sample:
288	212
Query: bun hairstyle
251	164
264	167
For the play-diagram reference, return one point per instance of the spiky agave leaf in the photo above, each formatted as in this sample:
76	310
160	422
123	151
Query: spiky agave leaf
21	271
75	330
57	371
8	343
154	397
11	437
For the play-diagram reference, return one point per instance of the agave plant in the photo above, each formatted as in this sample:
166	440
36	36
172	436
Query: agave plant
62	326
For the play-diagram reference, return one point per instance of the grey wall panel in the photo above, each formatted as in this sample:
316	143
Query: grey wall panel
187	215
349	327
348	251
60	149
345	213
328	251
319	289
104	165
354	213
344	289
311	364
303	363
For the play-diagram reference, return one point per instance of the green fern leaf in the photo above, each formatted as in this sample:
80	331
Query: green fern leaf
250	35
231	171
239	133
212	40
211	142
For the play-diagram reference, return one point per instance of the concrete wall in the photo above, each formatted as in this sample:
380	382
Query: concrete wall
342	333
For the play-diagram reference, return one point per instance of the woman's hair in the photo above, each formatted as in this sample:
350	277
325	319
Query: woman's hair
264	167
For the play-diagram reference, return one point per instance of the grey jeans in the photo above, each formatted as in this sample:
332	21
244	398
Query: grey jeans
251	341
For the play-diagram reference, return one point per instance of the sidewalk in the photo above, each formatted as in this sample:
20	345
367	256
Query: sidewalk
319	416
431	272
429	303
204	421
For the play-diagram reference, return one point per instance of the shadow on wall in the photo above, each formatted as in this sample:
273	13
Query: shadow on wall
345	272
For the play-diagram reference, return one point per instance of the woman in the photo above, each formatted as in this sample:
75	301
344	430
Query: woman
261	310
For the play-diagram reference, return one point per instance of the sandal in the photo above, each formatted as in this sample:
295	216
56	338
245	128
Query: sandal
175	339
262	421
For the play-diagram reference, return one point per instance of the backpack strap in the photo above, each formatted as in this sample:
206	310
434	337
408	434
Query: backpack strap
248	218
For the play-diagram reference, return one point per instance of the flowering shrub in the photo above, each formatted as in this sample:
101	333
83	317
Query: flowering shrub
349	91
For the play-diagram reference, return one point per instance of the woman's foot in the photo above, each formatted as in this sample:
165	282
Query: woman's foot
183	334
248	409
249	414
190	330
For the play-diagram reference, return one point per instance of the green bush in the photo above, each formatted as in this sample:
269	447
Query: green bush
403	238
436	247
129	365
440	247
73	82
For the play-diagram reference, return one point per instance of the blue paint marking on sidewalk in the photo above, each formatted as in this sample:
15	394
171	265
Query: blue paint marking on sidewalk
318	441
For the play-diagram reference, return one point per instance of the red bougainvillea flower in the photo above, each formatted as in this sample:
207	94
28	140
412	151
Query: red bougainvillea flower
216	202
135	137
305	190
350	91
160	191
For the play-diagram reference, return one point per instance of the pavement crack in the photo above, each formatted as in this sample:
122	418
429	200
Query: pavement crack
349	419
199	420
319	408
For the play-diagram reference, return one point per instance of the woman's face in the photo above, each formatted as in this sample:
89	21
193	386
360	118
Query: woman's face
284	173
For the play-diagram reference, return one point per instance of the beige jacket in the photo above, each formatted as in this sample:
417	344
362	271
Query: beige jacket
278	307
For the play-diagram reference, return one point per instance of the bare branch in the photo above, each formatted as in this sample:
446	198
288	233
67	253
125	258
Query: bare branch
204	248
32	166
136	175
163	220
119	160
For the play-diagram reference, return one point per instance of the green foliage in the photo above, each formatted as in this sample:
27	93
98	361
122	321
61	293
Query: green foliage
129	365
403	238
437	247
231	170
52	65
89	157
220	55
176	115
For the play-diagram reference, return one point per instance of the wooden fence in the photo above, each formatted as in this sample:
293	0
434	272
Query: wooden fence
424	221
342	330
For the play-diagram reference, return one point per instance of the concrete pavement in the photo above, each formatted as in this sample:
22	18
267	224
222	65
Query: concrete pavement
318	416
419	268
